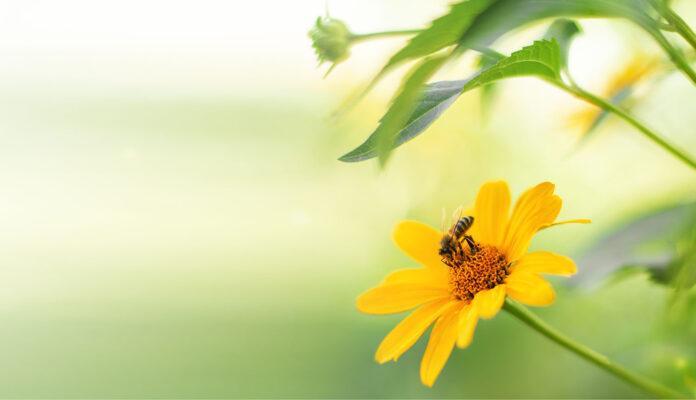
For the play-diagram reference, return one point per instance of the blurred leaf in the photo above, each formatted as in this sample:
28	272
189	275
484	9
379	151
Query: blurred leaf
564	31
626	272
620	99
677	273
443	32
506	15
403	105
623	252
434	100
541	59
486	61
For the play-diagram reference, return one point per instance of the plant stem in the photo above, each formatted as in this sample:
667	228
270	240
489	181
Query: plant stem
674	54
376	35
534	322
679	25
599	102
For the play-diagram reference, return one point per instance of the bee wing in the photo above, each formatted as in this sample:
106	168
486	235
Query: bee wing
443	223
457	214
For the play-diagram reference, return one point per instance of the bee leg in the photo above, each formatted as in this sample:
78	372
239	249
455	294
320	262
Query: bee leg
471	243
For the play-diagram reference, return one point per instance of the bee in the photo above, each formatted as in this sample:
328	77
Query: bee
451	248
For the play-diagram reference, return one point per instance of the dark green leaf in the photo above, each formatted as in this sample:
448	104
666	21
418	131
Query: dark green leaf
403	105
414	109
434	100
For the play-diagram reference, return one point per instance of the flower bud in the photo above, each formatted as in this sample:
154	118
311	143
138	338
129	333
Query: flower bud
331	40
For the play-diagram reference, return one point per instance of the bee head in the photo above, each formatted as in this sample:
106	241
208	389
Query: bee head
445	243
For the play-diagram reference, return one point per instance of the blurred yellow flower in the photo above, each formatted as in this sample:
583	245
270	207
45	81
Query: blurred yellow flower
494	264
619	87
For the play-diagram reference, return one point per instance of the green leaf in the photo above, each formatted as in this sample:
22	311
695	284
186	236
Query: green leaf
657	242
444	31
562	30
433	101
415	109
506	15
403	105
485	61
542	59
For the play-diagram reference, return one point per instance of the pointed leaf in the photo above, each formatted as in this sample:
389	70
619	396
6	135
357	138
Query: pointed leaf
403	105
434	100
542	59
444	31
405	120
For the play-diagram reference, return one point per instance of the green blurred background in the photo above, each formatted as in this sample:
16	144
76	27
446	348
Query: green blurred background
175	223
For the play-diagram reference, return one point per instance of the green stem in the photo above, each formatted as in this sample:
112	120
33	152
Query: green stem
666	27
674	54
534	322
599	102
376	35
679	25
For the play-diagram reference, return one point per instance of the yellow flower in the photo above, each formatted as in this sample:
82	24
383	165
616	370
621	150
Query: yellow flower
617	89
494	264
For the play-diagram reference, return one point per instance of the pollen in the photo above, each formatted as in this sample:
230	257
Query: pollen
483	268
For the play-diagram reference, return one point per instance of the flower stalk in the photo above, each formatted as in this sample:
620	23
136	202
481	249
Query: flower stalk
378	35
675	22
523	314
647	132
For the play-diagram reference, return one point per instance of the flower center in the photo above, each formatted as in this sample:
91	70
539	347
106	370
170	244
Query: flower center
482	268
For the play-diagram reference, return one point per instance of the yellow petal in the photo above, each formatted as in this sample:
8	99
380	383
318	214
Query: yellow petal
437	277
491	213
440	345
544	262
568	221
468	318
536	207
488	302
388	299
530	289
420	241
407	332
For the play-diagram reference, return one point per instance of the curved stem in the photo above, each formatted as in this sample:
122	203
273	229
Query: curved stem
666	27
599	102
523	314
674	54
376	35
675	21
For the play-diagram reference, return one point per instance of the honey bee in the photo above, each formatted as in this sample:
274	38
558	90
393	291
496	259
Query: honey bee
451	248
